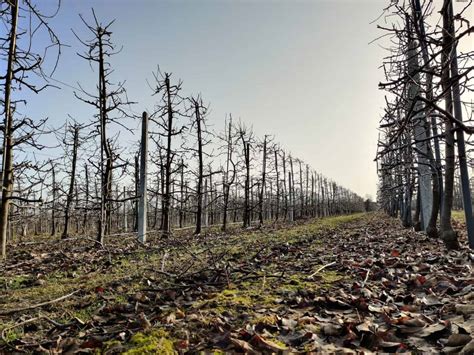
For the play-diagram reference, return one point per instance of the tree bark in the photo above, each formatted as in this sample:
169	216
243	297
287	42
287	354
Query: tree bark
142	202
448	235
262	187
199	194
7	163
72	182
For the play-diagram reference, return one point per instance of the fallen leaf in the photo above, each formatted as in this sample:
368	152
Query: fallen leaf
458	339
243	345
260	342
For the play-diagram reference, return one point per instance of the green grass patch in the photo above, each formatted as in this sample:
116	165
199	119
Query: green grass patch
458	216
265	253
152	341
16	282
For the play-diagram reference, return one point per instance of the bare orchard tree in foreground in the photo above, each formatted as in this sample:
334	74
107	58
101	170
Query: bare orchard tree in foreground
228	179
424	81
72	134
108	101
24	23
168	112
199	112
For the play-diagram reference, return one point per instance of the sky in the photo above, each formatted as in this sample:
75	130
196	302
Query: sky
302	71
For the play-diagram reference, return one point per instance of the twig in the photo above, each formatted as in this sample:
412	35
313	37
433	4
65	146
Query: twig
179	287
320	269
19	325
366	277
161	272
250	277
14	266
163	261
39	304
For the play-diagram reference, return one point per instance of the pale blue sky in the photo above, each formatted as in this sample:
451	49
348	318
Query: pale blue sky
302	71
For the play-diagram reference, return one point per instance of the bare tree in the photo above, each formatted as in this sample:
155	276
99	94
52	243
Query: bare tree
21	65
165	117
108	101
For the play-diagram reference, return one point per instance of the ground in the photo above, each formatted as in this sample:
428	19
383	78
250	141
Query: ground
356	283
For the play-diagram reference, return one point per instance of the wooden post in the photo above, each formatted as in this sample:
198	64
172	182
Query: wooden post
142	203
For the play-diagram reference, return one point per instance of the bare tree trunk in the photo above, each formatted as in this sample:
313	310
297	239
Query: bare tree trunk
76	215
419	132
186	205
105	153
246	221
53	202
137	188
86	209
457	105
108	190
290	195
227	183
285	193
7	163
306	197
182	196
143	202
162	174
448	235
125	214
262	187
301	213
277	202
437	174
210	204
291	186
166	228
72	182
199	194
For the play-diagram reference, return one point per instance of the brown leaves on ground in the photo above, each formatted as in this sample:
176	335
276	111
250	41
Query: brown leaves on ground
360	284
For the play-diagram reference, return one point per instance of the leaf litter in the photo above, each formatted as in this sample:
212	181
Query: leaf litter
353	284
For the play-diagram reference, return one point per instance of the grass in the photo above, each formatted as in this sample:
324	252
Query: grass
458	216
155	341
16	282
266	290
128	274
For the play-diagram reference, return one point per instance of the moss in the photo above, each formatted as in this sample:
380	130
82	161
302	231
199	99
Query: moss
232	297
120	299
250	294
232	300
11	334
16	282
111	347
58	284
300	283
154	342
296	283
458	216
85	314
279	343
310	230
331	276
267	319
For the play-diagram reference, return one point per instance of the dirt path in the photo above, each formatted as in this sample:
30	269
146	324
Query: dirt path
339	284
